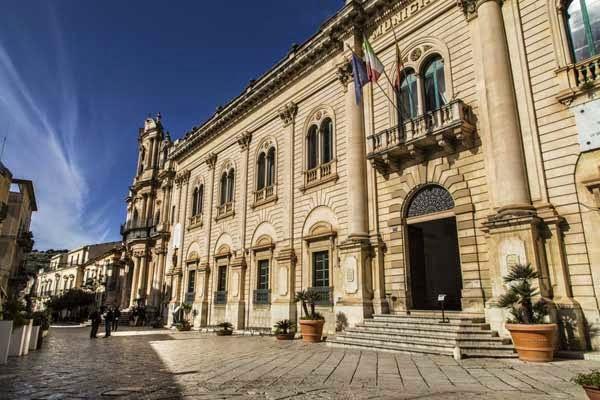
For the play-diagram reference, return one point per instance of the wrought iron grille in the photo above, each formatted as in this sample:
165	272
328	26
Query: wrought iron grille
262	296
325	295
430	199
221	297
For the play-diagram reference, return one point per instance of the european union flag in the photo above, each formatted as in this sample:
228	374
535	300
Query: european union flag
359	70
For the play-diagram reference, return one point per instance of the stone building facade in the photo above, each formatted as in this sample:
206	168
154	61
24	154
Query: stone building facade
483	156
16	239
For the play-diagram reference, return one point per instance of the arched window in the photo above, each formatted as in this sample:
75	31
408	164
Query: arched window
142	159
312	147
223	188
195	195
326	141
407	95
260	179
136	219
434	84
200	204
230	185
271	167
583	22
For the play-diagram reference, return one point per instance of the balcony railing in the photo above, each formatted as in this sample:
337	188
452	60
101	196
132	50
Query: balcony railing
195	220
262	296
587	71
264	194
133	231
221	297
446	126
225	209
321	173
325	295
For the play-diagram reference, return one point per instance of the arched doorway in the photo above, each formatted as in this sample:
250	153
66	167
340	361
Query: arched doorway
432	247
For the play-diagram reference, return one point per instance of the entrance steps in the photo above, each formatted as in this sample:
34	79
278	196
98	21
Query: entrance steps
465	335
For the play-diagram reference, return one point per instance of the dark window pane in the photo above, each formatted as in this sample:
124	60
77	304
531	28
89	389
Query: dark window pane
263	274
434	85
222	284
191	281
407	96
327	141
195	202
271	167
230	185
260	179
321	269
312	151
223	189
201	199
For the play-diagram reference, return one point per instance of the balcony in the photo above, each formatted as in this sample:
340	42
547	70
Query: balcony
131	232
325	295
445	128
225	210
262	296
195	221
575	79
321	174
221	297
160	229
264	196
25	241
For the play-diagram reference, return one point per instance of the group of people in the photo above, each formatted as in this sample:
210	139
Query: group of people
110	315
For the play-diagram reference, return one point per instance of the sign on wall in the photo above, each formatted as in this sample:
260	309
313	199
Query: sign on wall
587	118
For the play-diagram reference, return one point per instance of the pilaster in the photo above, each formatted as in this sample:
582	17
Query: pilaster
236	301
282	303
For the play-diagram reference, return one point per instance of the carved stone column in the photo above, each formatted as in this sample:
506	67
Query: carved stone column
134	281
244	143
182	179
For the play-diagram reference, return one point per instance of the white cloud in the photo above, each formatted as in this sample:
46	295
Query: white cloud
42	146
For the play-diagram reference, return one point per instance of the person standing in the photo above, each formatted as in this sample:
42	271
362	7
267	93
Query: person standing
108	319
116	318
96	319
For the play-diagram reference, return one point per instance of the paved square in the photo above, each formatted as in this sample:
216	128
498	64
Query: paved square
161	364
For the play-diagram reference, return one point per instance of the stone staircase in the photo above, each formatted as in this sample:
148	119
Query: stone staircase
466	335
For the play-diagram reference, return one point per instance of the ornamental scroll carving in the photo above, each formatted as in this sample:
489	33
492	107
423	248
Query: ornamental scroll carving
430	199
288	112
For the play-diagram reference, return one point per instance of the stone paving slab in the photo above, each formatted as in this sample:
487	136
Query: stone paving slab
163	364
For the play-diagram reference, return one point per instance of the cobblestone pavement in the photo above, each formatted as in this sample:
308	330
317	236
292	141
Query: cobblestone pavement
160	364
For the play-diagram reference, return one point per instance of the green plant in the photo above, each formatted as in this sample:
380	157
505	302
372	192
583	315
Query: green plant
518	299
183	326
589	379
14	310
41	319
284	327
225	326
309	298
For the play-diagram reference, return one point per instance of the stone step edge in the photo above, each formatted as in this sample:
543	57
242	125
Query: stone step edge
428	323
425	342
409	350
433	316
449	337
425	329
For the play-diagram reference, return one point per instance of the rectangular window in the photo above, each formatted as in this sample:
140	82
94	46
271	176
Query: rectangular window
263	274
320	261
191	281
222	284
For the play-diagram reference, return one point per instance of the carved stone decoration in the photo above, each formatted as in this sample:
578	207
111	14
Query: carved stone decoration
182	177
350	275
344	74
416	54
430	199
211	160
469	7
282	281
288	113
235	284
244	140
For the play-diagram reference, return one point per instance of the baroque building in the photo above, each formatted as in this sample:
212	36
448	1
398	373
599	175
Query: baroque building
484	154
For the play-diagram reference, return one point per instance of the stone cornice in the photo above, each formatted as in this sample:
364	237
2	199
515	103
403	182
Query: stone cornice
323	45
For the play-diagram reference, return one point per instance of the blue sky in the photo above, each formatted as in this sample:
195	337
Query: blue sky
78	77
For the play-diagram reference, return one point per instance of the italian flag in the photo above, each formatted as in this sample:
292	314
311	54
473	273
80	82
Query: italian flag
374	66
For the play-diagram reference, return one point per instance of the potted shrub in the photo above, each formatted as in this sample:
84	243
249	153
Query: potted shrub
224	329
311	323
184	324
6	325
533	338
284	330
590	383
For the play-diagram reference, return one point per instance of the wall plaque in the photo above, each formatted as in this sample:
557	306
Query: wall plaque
587	119
282	281
350	275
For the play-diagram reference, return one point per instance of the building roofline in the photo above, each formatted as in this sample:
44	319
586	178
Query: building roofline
28	184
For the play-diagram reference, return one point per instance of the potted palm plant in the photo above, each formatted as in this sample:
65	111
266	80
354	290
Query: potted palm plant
590	383
311	322
533	338
284	330
224	329
184	324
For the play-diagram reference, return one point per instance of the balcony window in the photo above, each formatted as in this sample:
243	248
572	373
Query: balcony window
265	176
320	150
191	281
407	95
320	265
227	187
313	149
434	84
222	278
263	274
583	21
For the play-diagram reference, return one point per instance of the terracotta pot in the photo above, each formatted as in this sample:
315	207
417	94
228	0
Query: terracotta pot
312	330
593	393
534	342
285	336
